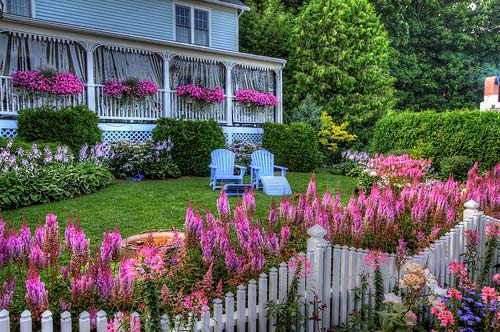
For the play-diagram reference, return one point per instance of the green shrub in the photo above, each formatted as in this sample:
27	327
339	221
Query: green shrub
72	126
456	166
193	142
51	183
18	143
294	146
152	160
472	134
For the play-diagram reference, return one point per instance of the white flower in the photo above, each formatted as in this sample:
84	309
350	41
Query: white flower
411	267
391	298
434	301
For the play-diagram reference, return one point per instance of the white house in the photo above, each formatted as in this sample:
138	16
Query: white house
171	42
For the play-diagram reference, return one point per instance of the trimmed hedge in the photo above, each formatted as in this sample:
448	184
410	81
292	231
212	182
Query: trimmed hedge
72	126
294	146
471	134
52	182
193	142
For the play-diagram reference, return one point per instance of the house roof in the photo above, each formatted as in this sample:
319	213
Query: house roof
230	3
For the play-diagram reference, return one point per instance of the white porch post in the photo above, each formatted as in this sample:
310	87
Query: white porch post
90	46
167	101
279	95
229	92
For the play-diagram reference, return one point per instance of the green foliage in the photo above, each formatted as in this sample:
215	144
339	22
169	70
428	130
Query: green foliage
456	166
294	146
442	50
340	55
287	314
72	126
349	168
52	182
151	160
193	142
265	29
396	320
472	134
307	111
18	143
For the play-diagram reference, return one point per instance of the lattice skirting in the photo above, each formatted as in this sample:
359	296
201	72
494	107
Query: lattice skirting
131	136
254	138
8	132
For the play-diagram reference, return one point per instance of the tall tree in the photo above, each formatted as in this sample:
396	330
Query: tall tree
441	50
265	29
340	56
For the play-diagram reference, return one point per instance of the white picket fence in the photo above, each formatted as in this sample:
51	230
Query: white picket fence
335	273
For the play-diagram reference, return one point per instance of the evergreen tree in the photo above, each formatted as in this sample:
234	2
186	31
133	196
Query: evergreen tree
442	50
340	56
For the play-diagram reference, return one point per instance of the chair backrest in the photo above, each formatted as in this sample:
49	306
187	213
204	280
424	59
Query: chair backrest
224	161
265	161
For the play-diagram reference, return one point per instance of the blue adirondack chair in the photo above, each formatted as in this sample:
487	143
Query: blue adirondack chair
222	168
262	172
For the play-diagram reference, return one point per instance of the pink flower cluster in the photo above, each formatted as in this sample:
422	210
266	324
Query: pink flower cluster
130	88
398	168
35	81
261	99
485	189
198	93
236	240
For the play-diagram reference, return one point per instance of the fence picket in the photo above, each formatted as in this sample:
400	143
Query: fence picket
218	322
205	319
240	308
326	287
26	323
252	306
273	293
101	321
84	322
319	258
344	270
262	302
165	324
302	290
283	282
47	325
336	283
65	322
310	284
229	311
5	321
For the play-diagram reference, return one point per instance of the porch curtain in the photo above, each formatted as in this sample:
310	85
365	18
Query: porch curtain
113	64
203	73
253	79
21	52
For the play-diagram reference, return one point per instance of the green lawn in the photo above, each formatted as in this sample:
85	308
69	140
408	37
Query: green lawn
141	206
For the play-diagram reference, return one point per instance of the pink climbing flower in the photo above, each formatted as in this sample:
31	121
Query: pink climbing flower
260	99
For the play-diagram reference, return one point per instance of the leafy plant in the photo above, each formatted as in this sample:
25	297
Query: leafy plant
73	126
294	146
193	141
331	135
456	166
308	112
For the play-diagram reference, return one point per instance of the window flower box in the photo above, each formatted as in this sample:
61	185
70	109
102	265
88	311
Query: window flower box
47	82
254	99
200	95
130	89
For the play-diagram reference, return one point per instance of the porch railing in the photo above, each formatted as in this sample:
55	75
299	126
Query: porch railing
131	109
246	114
182	108
12	100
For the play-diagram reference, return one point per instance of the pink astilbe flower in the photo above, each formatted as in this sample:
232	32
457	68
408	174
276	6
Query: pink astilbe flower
374	258
7	293
223	207
81	288
196	302
36	294
37	258
51	243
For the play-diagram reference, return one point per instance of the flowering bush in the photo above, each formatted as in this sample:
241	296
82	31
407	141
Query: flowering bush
42	175
243	151
35	81
142	160
131	88
255	98
201	94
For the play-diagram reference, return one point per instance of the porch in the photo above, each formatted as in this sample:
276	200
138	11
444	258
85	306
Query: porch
97	57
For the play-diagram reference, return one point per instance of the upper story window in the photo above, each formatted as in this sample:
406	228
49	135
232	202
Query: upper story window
18	7
192	25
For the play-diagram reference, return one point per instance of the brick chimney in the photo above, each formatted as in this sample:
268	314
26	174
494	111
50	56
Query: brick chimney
491	99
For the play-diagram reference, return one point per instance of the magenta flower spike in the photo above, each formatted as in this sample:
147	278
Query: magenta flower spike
36	294
223	207
7	293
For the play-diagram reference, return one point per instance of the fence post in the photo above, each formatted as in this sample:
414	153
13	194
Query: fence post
240	308
101	321
471	209
25	322
229	311
66	322
218	321
84	322
262	302
165	324
4	320
47	322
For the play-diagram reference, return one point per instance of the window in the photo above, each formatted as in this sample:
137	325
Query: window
18	7
192	25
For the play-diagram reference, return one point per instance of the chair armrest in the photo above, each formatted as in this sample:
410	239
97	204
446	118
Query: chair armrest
243	169
254	167
283	169
212	166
